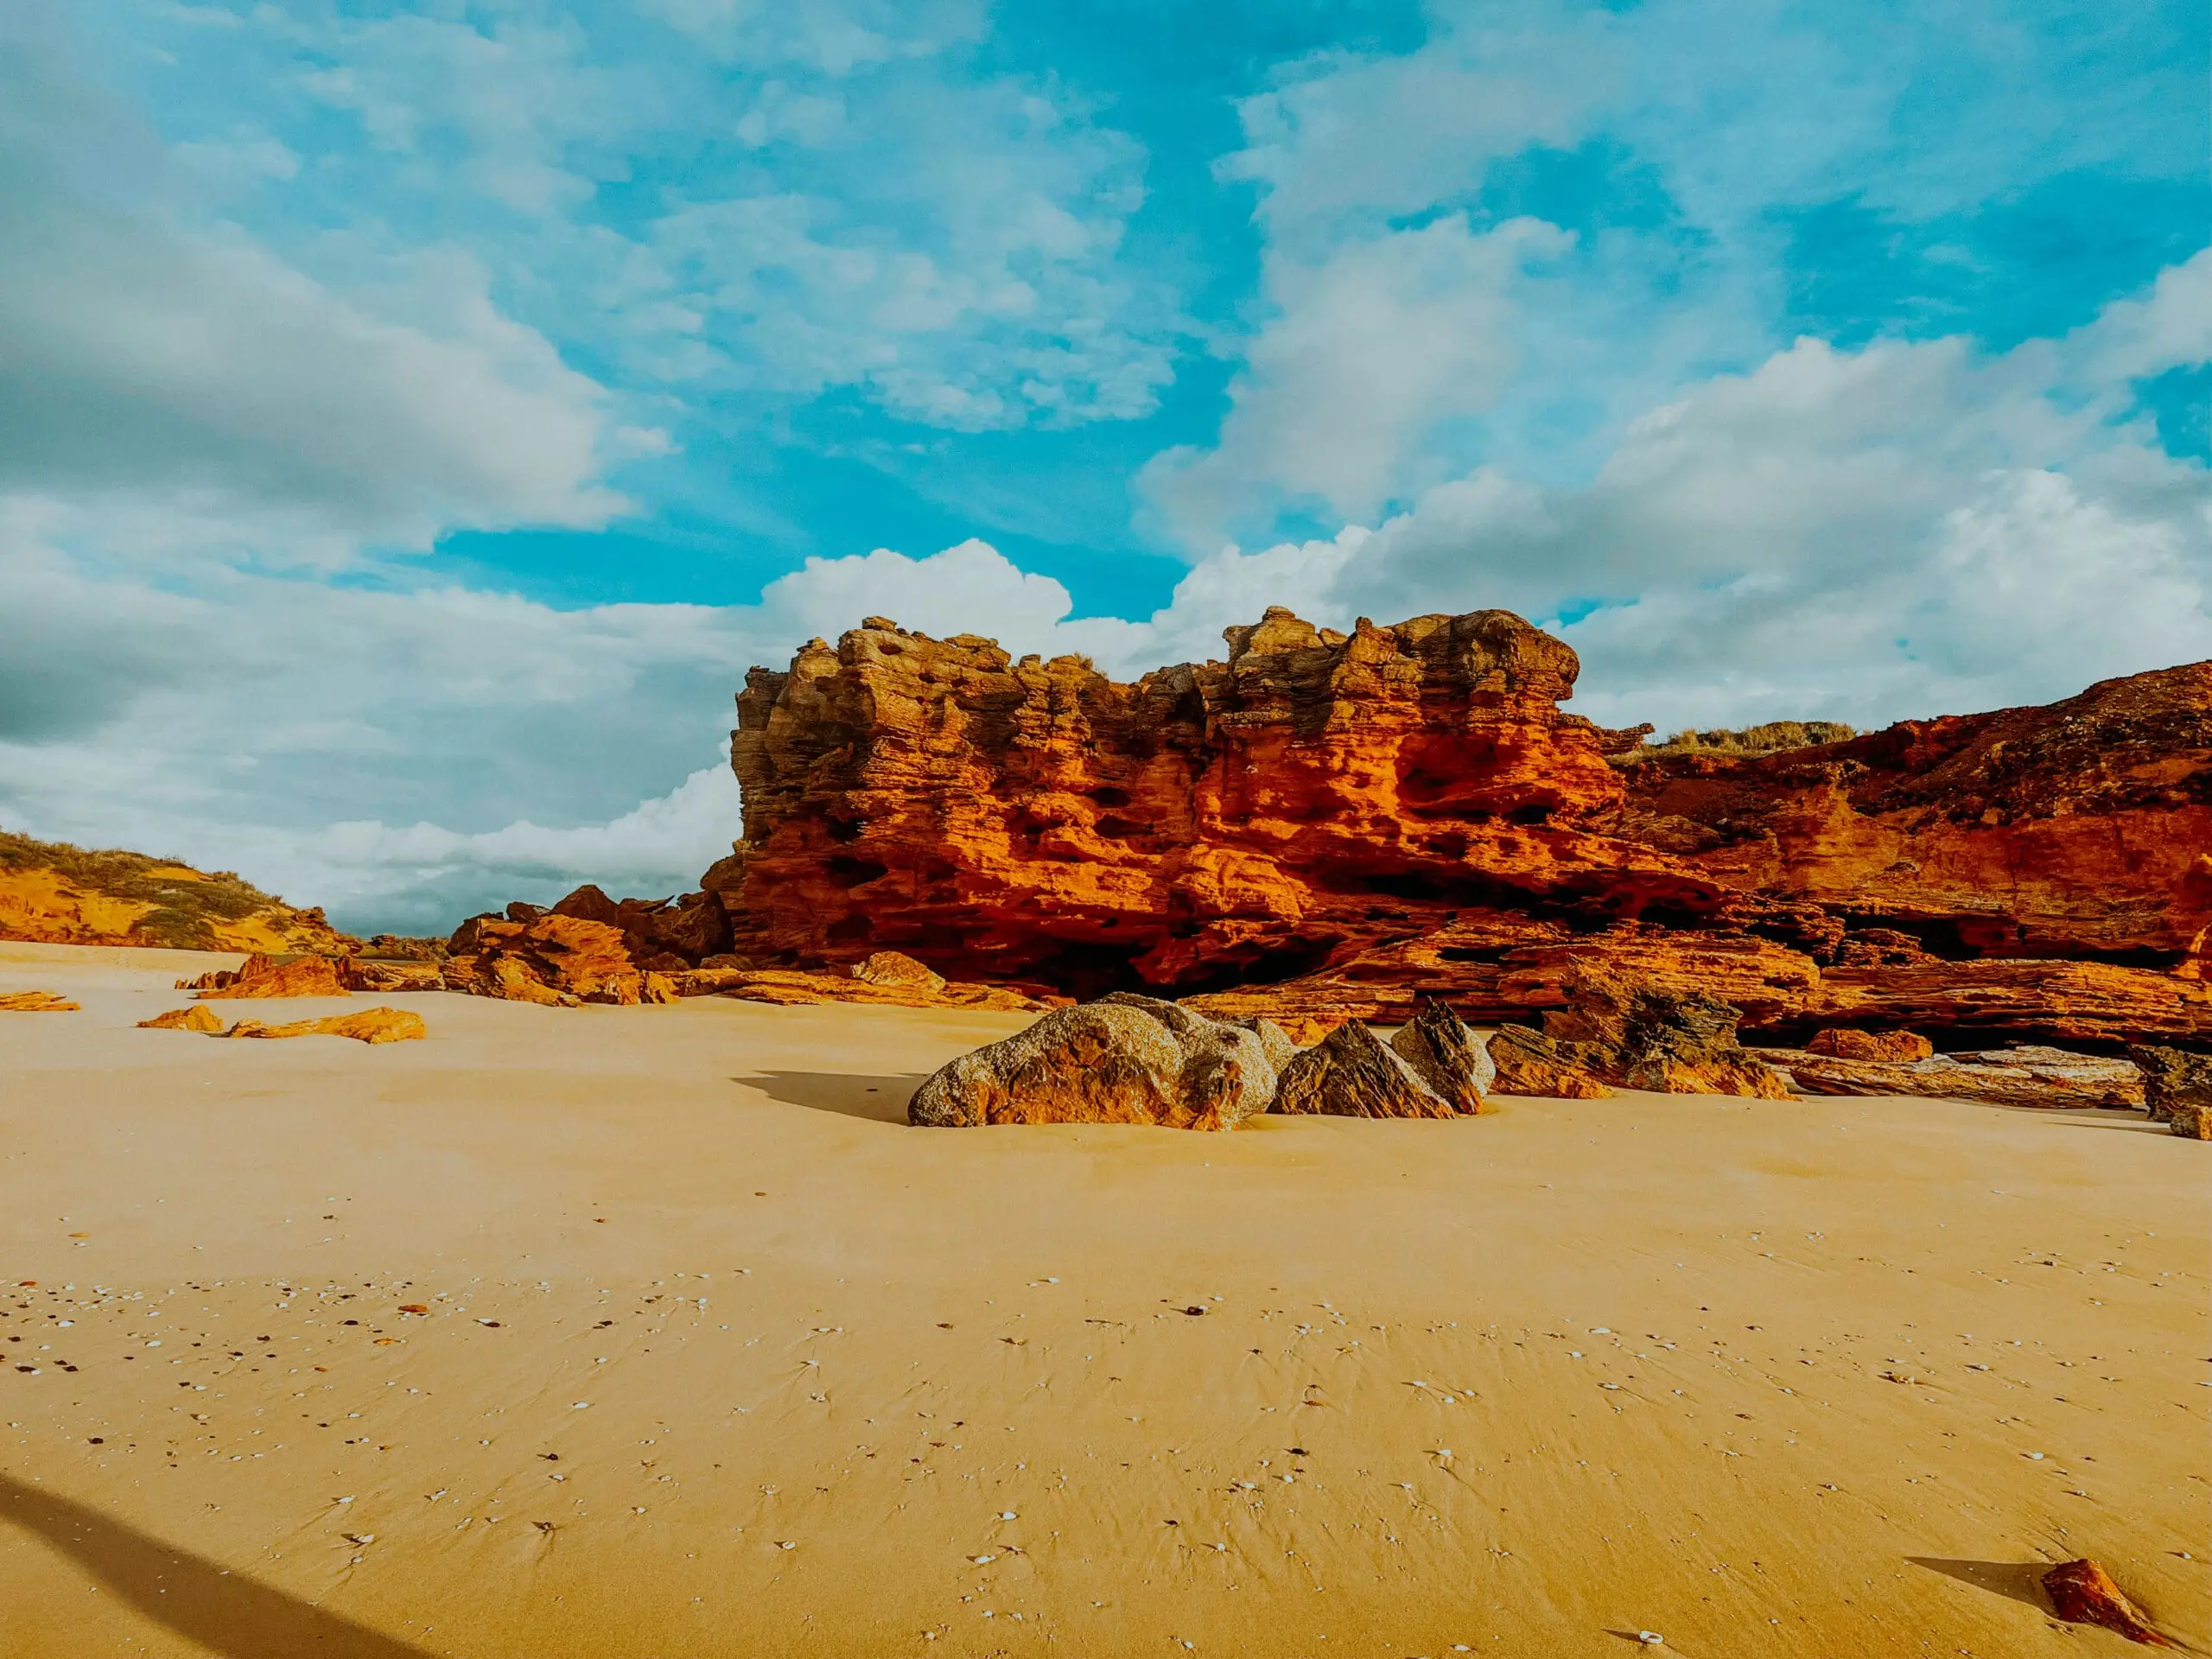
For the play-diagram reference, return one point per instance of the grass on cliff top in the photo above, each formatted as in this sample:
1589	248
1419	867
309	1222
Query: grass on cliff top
1772	738
184	911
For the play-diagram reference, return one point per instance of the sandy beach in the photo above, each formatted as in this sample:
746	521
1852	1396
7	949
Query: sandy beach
718	1357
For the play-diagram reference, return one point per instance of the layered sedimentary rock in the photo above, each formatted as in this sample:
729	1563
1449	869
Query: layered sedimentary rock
2047	1078
1632	1035
799	987
1352	1072
2173	1080
55	894
1329	826
261	976
2078	828
370	1026
554	960
35	1002
1122	1059
205	1021
1892	1047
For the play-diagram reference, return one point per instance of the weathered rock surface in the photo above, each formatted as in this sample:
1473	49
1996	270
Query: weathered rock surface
1331	826
59	894
1528	1063
2191	1121
1122	1059
554	960
261	976
2078	829
1352	1072
2172	1079
373	974
2048	1078
895	970
369	1026
2082	1592
205	1021
795	988
35	1002
1668	1042
1846	1044
1447	1057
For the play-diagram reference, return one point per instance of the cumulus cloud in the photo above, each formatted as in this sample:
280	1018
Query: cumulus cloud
153	360
1367	353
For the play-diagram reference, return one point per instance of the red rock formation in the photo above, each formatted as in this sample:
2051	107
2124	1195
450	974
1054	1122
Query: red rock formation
1896	1047
1330	826
2049	1079
205	1021
557	961
266	976
369	1026
2079	828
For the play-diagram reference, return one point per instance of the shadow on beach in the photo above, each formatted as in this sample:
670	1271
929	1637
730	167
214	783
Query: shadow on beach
222	1610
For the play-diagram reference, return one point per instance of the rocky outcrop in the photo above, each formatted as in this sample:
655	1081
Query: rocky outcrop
1669	1042
1526	1062
1891	1046
1122	1059
55	894
2172	1079
553	960
35	1002
1448	1058
373	974
2047	1078
1331	826
262	976
797	988
2081	829
1353	1073
204	1021
1210	825
369	1026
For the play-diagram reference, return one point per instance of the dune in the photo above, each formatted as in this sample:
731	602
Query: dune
656	1330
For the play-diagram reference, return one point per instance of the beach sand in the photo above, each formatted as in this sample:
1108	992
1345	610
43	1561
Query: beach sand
721	1359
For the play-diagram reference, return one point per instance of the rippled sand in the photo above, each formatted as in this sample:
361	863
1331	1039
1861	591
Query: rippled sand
721	1359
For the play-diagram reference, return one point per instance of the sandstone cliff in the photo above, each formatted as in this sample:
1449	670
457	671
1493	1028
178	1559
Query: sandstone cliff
54	893
1328	825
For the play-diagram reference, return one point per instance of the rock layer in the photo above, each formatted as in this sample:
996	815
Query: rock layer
1330	826
2048	1078
260	977
554	960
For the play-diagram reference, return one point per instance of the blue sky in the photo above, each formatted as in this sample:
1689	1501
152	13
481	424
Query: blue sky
418	415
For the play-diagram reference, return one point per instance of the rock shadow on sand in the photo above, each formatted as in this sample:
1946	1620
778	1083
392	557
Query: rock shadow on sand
2016	1580
849	1094
224	1611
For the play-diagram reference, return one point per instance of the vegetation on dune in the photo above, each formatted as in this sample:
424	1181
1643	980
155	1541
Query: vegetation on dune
1772	738
186	903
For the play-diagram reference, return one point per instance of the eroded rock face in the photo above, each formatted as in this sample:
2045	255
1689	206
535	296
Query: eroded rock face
1527	1062
35	1002
1666	1041
1035	820
554	960
1448	1058
369	1026
2050	1079
895	968
1352	1072
261	976
205	1021
1330	826
2078	829
1124	1059
797	988
1893	1046
2172	1079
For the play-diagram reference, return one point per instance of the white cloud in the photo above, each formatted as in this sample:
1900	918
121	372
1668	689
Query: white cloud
1367	353
148	360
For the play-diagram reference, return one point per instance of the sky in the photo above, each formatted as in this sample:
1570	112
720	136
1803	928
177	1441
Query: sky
414	419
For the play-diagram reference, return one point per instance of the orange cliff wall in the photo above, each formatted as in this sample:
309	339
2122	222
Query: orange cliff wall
1215	822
